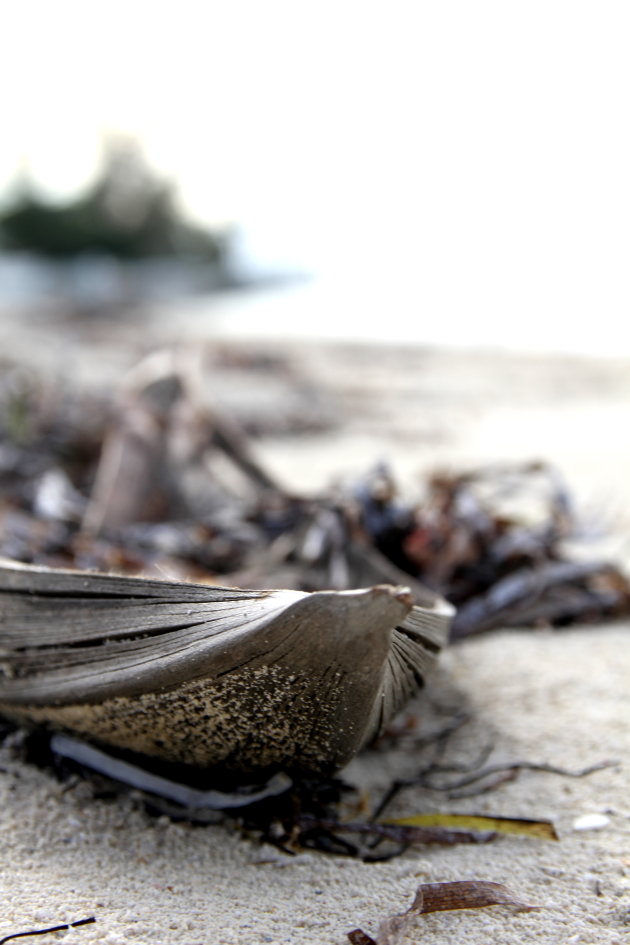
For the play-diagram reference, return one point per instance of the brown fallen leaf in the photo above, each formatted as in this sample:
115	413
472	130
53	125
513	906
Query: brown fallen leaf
441	897
466	894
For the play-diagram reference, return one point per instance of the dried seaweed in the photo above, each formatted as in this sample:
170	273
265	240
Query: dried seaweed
476	779
292	814
156	479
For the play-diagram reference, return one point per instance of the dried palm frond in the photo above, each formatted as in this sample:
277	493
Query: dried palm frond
249	680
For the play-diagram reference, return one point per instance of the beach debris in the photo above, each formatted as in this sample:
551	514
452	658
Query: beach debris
403	834
511	826
441	897
381	840
201	675
291	813
463	779
359	937
157	478
321	816
493	541
54	928
591	822
188	799
478	779
154	456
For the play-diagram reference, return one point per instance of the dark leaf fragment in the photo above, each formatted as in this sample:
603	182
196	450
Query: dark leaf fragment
358	937
406	834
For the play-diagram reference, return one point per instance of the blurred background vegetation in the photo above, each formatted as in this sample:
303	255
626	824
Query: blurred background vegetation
128	212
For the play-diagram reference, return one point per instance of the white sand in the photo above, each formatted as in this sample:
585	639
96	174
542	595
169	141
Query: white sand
556	697
561	698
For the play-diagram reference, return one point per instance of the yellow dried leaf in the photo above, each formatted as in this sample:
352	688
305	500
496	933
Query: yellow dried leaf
540	829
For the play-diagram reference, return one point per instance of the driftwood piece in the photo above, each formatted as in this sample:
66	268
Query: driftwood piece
248	680
154	454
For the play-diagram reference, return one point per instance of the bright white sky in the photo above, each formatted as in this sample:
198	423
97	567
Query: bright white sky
475	152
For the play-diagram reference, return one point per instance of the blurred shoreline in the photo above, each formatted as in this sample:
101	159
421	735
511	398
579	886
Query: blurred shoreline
367	309
415	406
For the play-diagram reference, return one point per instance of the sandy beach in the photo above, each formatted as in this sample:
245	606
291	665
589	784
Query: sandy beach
551	697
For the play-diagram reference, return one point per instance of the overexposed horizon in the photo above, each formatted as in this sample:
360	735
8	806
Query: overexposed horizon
463	166
321	310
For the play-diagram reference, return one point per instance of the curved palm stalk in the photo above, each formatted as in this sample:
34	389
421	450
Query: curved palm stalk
248	680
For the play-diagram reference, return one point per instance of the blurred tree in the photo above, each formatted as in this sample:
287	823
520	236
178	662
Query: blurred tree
128	213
